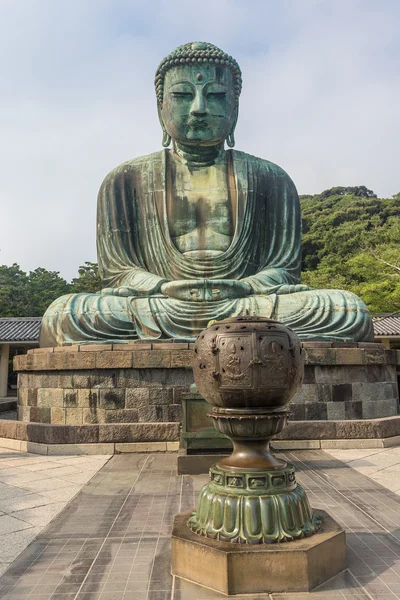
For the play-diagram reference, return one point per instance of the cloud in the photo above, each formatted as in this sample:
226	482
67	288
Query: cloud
320	98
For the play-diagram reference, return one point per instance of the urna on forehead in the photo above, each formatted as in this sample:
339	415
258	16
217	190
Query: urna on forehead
196	54
198	75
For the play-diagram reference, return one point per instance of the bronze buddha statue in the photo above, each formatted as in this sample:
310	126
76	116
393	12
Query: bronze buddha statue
197	233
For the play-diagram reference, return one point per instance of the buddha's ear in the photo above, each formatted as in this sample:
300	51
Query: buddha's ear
230	140
166	138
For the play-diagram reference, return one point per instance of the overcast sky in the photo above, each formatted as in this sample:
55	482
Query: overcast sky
321	90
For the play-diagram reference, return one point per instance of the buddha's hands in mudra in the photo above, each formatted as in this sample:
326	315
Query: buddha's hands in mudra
205	290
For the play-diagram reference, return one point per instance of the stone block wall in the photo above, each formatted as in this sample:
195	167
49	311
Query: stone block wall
103	396
143	383
100	384
356	381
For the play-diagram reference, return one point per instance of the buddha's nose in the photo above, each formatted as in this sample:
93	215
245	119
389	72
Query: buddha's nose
199	105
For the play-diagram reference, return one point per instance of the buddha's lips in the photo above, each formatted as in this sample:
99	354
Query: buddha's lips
197	123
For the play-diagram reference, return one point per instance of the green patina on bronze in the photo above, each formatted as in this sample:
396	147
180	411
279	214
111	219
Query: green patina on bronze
196	233
262	507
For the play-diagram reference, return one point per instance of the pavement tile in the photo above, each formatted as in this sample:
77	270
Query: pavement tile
65	470
20	476
8	524
370	462
10	491
22	462
40	515
42	466
12	544
11	505
85	461
65	493
50	483
78	478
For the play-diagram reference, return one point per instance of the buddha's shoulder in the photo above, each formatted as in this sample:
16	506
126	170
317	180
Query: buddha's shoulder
262	165
134	165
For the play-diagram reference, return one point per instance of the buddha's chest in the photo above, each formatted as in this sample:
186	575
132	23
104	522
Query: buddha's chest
200	212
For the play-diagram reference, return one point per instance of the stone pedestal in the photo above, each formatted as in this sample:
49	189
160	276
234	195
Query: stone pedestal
233	569
132	393
123	383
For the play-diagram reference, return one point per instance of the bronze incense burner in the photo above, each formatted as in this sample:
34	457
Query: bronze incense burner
249	369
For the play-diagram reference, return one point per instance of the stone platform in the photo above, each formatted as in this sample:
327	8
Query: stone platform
125	394
232	569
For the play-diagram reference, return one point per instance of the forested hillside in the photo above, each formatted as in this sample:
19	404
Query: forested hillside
351	241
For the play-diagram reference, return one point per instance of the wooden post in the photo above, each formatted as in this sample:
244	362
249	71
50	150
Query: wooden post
4	356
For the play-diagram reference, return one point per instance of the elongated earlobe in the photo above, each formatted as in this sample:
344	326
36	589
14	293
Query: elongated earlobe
230	140
166	139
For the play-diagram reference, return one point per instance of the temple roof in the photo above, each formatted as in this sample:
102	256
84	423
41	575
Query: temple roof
19	329
386	325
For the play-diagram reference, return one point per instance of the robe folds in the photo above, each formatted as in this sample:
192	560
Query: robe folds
135	250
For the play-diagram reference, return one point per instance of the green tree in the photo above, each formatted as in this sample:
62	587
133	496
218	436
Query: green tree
88	280
14	292
43	288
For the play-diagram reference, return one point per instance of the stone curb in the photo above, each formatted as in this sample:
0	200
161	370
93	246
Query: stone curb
120	433
122	448
336	444
385	427
82	449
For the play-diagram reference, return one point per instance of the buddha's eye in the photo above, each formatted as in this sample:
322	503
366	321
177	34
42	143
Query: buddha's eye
182	95
216	95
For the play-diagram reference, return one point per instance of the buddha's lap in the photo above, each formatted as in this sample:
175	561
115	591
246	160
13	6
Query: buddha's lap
283	306
314	315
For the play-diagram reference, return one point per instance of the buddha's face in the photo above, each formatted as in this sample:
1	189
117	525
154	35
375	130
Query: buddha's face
199	104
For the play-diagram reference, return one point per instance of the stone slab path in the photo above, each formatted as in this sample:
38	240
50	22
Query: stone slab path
33	490
112	541
380	464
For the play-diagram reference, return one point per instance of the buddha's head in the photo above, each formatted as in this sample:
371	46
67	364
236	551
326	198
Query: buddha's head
198	87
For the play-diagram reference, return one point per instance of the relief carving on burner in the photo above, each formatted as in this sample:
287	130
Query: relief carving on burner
274	357
234	361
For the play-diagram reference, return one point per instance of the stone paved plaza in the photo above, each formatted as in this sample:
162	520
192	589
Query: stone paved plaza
33	490
111	540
